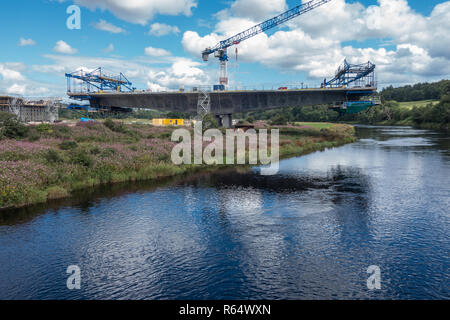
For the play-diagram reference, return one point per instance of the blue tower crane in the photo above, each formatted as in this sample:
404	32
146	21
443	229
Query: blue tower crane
220	50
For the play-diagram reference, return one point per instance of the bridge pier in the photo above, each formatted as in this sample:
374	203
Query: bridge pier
225	120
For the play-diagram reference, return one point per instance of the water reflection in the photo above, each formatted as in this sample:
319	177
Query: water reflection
309	232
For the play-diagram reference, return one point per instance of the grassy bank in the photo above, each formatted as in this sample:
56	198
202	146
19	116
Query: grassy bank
48	162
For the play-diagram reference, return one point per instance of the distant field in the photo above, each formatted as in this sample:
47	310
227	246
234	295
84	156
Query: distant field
317	125
138	121
411	104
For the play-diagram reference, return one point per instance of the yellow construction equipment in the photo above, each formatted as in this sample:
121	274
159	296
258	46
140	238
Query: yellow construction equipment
168	122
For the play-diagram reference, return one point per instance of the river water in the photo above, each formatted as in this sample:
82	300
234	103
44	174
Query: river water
309	232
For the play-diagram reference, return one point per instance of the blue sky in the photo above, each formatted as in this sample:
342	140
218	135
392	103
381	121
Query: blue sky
404	38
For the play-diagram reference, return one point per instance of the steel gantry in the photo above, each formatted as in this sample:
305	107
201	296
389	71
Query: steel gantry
97	81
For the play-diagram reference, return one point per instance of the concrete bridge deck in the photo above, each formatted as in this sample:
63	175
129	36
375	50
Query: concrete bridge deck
223	102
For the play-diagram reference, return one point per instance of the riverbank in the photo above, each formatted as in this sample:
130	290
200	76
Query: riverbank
427	126
53	161
409	123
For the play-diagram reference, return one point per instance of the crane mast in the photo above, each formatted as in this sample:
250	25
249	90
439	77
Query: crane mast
220	50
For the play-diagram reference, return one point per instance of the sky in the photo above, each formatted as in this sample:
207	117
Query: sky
157	44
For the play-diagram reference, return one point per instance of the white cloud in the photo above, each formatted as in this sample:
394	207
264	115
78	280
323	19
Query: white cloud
141	71
13	82
141	11
26	42
9	74
314	45
154	87
183	72
156	52
109	49
63	47
17	89
109	27
161	29
257	9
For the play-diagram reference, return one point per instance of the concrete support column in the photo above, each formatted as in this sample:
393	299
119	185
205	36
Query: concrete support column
225	120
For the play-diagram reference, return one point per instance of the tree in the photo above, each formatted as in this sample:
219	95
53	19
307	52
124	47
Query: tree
11	127
209	122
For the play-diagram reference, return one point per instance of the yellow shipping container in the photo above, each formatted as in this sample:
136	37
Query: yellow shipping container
168	122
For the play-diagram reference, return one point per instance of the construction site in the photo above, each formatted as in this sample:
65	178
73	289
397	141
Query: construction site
45	110
352	89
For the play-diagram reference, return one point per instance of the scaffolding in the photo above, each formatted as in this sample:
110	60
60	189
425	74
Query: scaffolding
204	102
353	75
45	110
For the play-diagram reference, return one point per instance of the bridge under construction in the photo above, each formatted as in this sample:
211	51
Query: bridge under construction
107	93
351	90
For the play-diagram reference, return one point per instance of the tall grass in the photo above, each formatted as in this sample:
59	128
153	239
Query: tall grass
59	159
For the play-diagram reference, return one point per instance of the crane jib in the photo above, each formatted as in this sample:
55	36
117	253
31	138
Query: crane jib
269	24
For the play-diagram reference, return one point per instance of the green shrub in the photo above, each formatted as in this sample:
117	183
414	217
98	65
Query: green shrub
95	151
108	152
165	135
209	122
11	127
61	131
68	145
279	120
250	119
44	128
33	134
53	156
163	157
82	158
115	126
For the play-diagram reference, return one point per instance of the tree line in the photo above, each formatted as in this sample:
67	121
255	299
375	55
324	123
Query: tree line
433	115
417	92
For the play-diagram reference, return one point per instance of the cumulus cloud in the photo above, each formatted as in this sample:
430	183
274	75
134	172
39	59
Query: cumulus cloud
156	52
169	73
26	42
17	89
109	27
183	72
9	73
141	11
14	82
62	47
311	44
161	29
257	9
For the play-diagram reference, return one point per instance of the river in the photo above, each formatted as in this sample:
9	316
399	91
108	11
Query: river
309	232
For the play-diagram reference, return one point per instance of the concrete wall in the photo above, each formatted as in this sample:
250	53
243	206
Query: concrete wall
33	113
227	102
